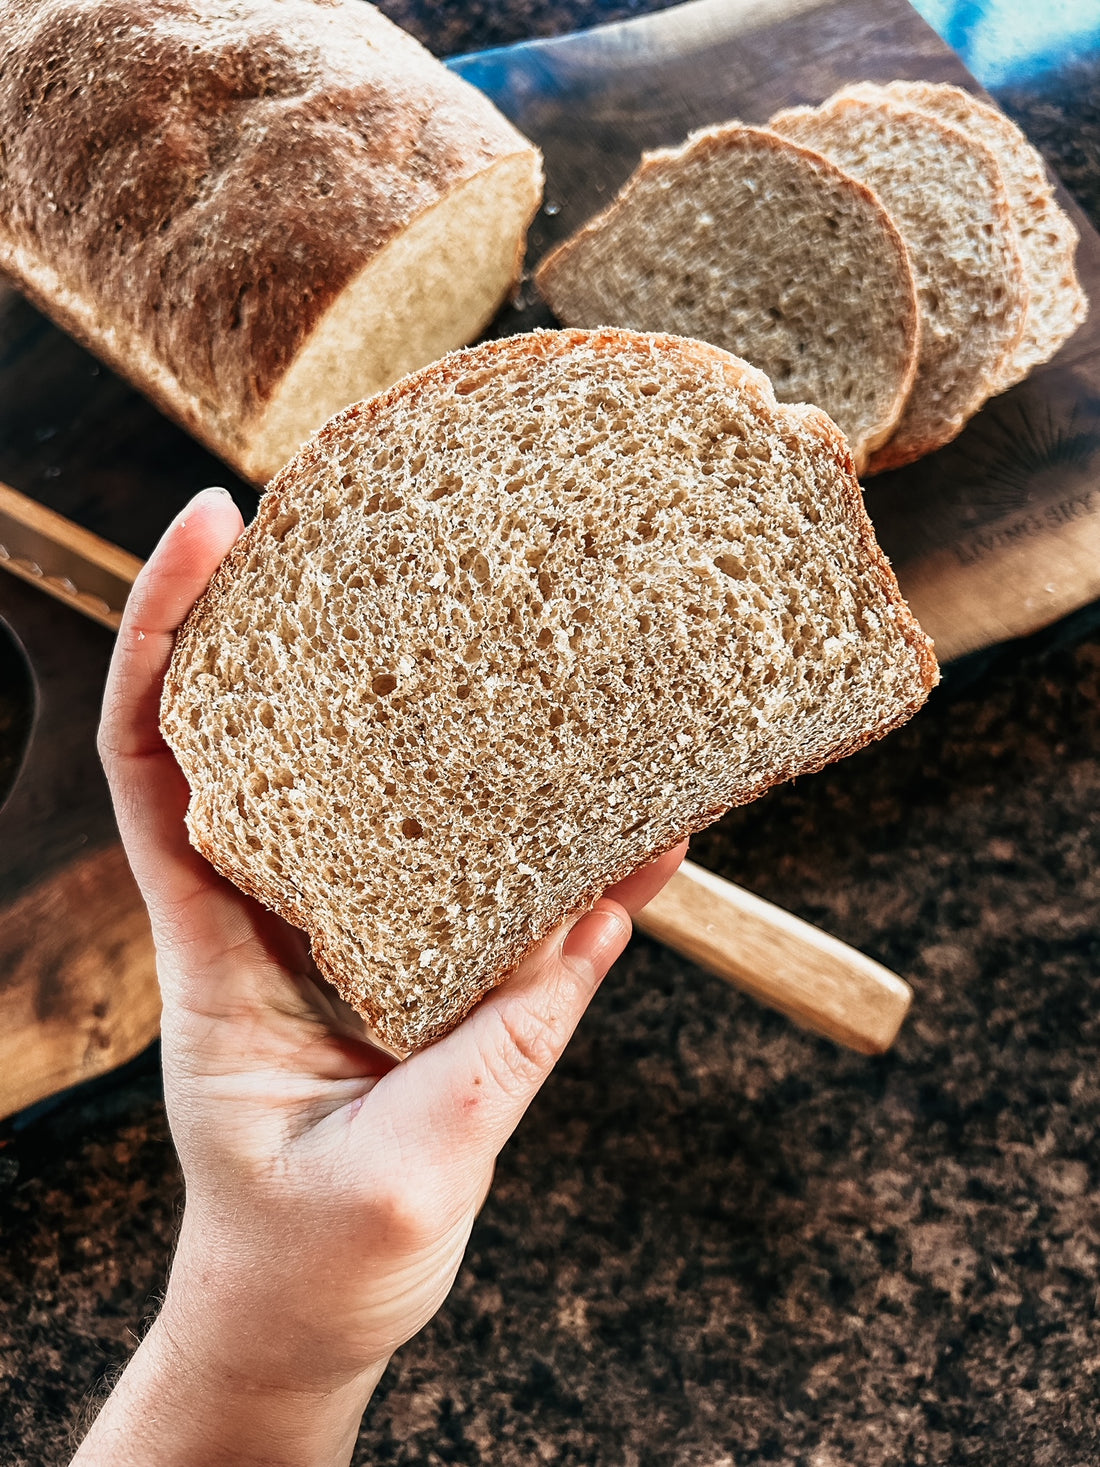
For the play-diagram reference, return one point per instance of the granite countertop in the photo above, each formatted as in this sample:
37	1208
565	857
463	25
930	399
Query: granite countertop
716	1240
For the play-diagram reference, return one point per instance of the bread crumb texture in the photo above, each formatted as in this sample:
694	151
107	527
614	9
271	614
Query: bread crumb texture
747	240
506	632
946	193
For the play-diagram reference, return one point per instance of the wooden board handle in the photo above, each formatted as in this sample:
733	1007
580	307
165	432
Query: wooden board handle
816	980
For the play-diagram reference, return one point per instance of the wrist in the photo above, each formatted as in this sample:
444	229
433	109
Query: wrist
181	1403
242	1414
232	1331
228	1377
265	1313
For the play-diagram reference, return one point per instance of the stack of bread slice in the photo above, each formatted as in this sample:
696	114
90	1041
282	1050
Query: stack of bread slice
1046	234
782	245
737	238
966	189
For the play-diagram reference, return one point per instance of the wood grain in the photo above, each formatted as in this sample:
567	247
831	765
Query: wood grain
78	989
821	983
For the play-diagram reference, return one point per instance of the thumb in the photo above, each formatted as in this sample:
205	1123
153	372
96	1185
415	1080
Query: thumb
465	1094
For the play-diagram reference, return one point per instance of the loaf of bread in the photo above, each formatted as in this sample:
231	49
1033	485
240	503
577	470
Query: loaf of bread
511	629
762	247
256	210
1047	236
945	192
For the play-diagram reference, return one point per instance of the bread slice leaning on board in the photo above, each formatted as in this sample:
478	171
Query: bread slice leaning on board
765	248
256	210
1047	236
945	192
509	630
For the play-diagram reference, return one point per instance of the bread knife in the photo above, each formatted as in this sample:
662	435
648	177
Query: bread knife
819	982
64	559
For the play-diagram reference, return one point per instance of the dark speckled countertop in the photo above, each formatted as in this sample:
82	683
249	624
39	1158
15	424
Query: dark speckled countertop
716	1241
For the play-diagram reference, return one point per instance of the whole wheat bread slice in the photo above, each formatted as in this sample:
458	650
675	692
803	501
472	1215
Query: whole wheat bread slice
762	247
945	192
1057	305
509	630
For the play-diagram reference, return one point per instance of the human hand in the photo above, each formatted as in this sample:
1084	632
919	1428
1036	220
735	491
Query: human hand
330	1190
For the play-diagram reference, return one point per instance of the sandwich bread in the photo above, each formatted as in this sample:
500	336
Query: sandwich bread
511	629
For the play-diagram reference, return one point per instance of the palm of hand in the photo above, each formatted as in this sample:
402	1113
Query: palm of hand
289	1131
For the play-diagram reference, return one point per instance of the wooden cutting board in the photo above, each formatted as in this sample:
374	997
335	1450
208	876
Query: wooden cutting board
995	536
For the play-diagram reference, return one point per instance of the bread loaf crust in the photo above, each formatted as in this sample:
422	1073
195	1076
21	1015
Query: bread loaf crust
1048	237
971	325
316	465
187	187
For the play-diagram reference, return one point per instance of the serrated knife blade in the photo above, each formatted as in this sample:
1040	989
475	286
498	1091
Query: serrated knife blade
63	559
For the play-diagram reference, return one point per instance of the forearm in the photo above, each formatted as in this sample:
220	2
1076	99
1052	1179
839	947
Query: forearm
178	1406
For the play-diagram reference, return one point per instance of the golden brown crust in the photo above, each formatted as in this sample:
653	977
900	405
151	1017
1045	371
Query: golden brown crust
397	1030
187	187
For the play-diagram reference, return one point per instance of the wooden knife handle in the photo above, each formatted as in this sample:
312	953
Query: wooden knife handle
816	980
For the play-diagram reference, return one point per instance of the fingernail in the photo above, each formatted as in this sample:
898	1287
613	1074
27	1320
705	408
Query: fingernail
597	939
180	521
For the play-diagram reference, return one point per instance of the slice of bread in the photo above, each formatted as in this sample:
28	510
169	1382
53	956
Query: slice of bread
508	631
258	211
762	247
945	192
1048	238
